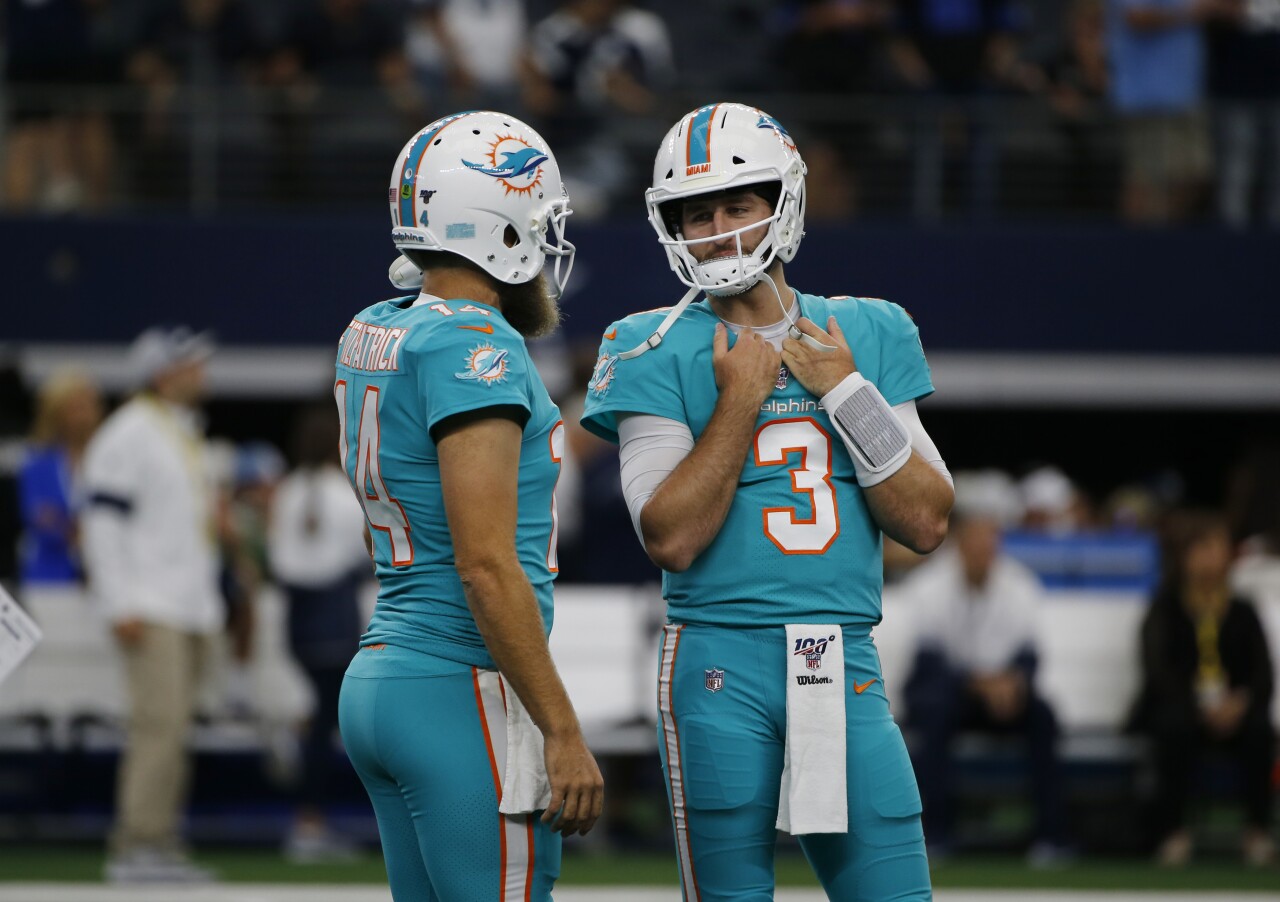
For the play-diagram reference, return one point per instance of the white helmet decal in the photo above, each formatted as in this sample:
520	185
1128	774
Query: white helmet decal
714	148
485	186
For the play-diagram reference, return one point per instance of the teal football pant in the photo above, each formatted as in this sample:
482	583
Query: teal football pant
721	739
430	750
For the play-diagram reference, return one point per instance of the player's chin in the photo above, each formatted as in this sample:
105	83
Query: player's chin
530	307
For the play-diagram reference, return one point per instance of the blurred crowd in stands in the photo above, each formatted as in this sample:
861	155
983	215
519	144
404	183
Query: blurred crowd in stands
1158	111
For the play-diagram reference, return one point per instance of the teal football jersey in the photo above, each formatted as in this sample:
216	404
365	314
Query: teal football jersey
402	369
799	543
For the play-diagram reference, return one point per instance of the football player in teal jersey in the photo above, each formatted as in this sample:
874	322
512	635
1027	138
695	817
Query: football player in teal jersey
452	711
768	440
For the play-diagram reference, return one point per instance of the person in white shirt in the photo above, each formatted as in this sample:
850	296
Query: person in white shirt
976	613
316	546
150	554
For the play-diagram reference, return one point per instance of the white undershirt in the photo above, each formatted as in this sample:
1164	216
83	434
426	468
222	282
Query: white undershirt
650	447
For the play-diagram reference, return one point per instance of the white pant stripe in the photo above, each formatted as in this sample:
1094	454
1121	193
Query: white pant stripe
670	644
517	830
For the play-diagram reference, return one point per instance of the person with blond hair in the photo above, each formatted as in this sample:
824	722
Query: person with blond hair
68	411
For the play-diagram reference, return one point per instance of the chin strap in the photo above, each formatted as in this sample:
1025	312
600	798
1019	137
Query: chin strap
793	331
663	327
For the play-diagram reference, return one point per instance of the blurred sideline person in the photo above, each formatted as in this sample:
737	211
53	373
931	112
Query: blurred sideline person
1207	683
151	557
68	411
316	548
452	711
976	660
761	465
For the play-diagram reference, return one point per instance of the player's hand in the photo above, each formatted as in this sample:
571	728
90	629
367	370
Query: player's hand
577	789
128	632
819	371
748	370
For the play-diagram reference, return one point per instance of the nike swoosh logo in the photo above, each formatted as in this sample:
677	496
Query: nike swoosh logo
487	328
860	688
610	336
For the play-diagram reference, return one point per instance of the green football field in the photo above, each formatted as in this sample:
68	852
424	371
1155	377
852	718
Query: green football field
21	863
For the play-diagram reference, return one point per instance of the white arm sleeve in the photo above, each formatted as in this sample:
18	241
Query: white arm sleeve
920	441
649	448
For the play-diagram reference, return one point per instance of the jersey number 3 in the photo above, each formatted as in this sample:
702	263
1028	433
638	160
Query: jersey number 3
383	511
774	443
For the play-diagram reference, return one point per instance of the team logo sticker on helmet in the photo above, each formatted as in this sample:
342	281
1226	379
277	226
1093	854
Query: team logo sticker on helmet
767	121
514	162
602	374
485	364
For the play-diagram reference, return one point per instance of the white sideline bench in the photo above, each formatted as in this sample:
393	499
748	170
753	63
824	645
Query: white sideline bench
605	642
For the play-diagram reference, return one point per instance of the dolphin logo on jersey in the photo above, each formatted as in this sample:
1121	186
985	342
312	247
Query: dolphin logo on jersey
520	168
812	649
485	364
602	374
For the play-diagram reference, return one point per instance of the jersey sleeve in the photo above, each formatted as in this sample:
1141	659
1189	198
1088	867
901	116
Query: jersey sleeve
904	372
460	369
645	384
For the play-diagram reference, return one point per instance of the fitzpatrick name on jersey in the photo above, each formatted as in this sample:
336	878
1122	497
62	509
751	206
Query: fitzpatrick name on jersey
372	348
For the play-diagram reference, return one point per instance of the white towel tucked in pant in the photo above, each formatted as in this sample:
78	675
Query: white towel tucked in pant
813	798
525	787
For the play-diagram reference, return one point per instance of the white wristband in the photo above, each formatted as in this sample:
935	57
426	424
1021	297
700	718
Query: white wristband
878	442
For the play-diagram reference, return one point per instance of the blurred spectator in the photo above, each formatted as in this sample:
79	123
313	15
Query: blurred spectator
833	47
468	51
976	662
1077	84
257	468
1157	88
59	149
318	555
830	46
186	51
344	44
344	83
68	411
965	49
149	550
1206	683
1052	503
593	66
1244	81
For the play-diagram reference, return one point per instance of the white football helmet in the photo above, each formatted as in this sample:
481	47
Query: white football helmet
485	186
720	146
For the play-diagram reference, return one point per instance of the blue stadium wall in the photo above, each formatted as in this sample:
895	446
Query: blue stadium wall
297	281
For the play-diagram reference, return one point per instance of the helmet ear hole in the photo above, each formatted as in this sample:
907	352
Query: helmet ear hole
510	237
738	161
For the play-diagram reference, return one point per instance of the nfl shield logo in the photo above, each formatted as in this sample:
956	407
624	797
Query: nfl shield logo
715	680
781	383
813	660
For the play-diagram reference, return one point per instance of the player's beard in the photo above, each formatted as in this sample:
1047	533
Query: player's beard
530	308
